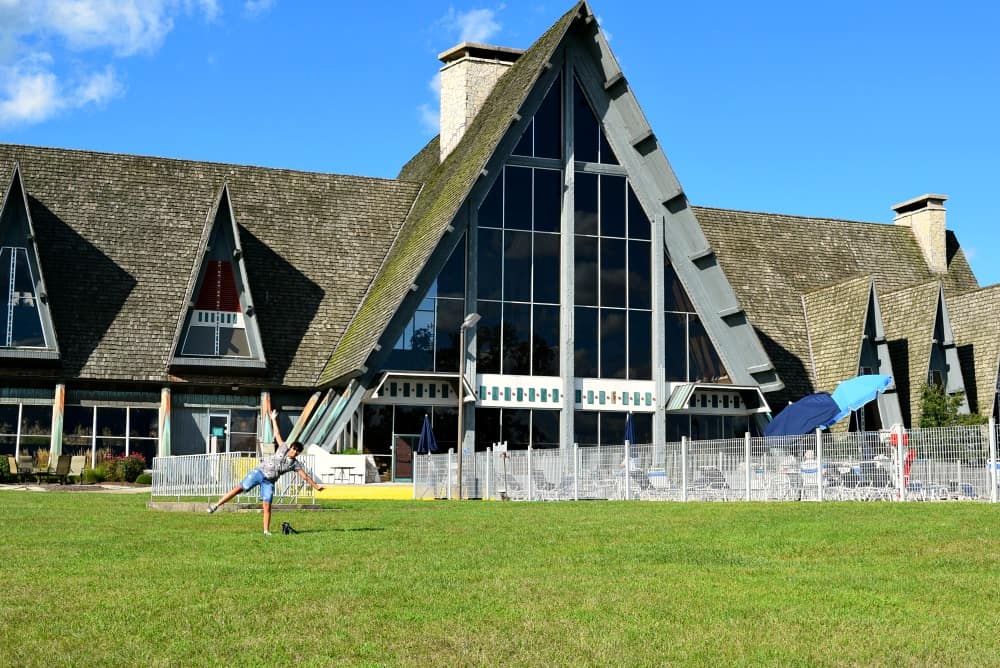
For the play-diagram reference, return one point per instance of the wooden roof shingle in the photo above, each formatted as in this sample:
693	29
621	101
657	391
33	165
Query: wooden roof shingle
975	321
835	317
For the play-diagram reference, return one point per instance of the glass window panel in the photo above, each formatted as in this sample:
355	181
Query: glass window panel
608	156
78	421
444	422
451	280
488	338
487	427
548	123
548	200
639	274
515	427
110	421
516	339
5	255
410	419
233	342
449	319
240	421
613	274
27	325
378	429
199	341
675	357
613	343
517	266
491	210
525	143
108	447
545	341
8	419
675	297
585	427
612	206
544	429
705	361
241	442
147	448
585	128
613	428
642	424
677	426
490	271
8	446
585	203
585	271
517	198
585	335
640	345
145	422
36	421
638	223
546	268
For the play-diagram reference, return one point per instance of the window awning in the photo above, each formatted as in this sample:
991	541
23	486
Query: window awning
418	377
716	399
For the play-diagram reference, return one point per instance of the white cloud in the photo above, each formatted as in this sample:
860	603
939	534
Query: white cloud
32	87
31	92
430	118
257	7
435	84
475	25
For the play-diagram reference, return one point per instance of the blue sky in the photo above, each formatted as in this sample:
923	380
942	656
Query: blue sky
819	109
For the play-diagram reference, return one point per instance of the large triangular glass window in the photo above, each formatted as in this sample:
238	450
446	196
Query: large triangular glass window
590	144
25	323
220	326
543	137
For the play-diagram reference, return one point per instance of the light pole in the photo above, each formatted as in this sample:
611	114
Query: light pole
469	322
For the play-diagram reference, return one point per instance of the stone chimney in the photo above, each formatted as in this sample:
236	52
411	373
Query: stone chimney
925	216
470	71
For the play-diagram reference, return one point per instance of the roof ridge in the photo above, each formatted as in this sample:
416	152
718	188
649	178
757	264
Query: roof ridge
794	216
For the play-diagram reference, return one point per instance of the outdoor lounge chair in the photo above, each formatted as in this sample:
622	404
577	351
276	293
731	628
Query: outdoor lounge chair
60	473
13	468
76	466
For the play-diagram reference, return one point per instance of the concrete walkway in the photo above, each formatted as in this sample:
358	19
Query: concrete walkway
103	487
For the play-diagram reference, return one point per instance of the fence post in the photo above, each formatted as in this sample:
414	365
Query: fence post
576	471
993	461
489	473
451	451
746	457
531	475
819	465
898	455
628	470
684	468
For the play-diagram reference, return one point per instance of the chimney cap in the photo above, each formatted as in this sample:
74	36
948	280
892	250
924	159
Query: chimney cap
477	50
926	201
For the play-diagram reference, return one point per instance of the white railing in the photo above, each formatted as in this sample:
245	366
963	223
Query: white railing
211	476
950	463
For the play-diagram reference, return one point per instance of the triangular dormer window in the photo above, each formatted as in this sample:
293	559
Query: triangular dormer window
26	329
220	328
543	137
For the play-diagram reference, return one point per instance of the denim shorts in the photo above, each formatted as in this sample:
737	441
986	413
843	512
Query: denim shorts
254	478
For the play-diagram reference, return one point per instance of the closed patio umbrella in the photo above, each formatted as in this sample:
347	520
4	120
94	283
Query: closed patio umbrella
427	443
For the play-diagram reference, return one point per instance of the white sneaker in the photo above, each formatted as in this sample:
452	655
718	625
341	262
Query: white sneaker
267	533
212	508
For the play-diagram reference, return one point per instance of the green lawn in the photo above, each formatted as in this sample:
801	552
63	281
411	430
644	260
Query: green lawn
96	579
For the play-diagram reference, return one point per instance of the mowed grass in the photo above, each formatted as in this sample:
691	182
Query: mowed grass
94	579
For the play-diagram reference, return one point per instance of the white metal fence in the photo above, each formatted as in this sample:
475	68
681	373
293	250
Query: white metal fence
211	476
950	463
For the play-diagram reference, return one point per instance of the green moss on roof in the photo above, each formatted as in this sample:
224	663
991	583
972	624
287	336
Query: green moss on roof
445	189
422	165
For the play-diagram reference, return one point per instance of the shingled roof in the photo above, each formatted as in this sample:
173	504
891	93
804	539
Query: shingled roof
975	321
445	189
771	260
909	316
120	234
835	318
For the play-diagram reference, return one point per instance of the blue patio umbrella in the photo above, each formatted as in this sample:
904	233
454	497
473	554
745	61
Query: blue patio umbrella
427	443
803	416
629	429
854	393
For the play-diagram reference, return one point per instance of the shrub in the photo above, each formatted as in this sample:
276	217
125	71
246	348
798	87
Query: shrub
144	479
124	469
92	476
